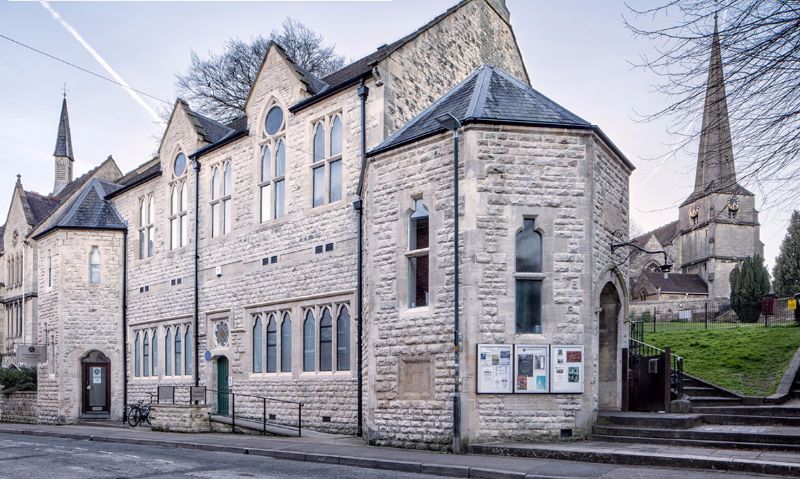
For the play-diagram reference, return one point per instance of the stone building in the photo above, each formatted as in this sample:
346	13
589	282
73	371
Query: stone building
250	255
717	224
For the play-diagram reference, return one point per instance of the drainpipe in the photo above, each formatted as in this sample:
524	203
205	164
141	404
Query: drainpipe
196	335
125	325
456	324
363	93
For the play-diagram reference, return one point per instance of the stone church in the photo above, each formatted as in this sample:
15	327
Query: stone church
717	224
306	251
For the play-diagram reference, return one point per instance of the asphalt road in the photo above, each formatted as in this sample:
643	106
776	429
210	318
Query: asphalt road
51	458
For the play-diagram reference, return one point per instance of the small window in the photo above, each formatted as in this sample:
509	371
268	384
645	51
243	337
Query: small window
417	256
309	325
187	355
528	279
168	359
146	354
49	269
146	226
325	340
154	351
179	167
274	121
258	341
327	161
94	265
643	295
137	356
178	349
221	190
343	340
272	345
286	343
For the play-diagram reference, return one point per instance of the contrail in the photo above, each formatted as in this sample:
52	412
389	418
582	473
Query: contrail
138	99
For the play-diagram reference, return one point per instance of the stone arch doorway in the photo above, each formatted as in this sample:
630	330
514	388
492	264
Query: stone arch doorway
608	363
96	390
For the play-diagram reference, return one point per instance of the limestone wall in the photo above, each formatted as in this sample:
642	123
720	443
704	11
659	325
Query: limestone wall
180	418
19	407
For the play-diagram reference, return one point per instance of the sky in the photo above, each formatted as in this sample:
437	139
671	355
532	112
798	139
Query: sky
579	53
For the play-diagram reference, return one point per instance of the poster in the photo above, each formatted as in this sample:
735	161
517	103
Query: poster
495	368
530	368
566	366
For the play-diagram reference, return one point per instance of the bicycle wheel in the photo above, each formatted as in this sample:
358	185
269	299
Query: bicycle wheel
133	417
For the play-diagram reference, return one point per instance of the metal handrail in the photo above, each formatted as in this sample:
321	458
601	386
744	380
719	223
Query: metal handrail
643	345
676	362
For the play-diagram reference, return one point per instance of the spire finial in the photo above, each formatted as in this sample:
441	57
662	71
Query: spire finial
64	91
19	179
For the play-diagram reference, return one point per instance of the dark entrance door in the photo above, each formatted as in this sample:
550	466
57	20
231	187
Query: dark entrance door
96	371
646	382
222	386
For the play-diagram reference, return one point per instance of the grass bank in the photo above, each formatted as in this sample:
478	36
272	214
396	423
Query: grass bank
750	361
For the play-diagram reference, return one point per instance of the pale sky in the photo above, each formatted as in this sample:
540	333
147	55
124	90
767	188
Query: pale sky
578	53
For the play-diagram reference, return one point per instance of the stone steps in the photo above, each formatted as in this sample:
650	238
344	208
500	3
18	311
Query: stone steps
741	439
713	401
696	443
734	410
704	391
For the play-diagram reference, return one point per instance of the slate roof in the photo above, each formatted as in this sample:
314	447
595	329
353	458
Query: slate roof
64	137
209	129
677	283
2	232
90	210
487	95
39	206
664	234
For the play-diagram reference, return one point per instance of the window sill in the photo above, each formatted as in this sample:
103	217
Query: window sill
314	210
265	225
324	374
416	312
530	337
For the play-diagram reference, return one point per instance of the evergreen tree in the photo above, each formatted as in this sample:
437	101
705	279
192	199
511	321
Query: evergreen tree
787	266
749	283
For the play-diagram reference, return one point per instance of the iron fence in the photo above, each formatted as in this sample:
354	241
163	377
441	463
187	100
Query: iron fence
696	316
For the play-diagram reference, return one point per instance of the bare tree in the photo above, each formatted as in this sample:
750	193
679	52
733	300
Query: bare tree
218	85
760	43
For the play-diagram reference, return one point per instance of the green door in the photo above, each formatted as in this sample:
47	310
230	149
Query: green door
222	386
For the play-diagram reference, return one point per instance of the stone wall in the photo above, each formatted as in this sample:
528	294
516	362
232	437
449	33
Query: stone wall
180	418
19	407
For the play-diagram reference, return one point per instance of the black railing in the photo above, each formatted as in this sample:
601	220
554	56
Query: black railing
195	392
640	348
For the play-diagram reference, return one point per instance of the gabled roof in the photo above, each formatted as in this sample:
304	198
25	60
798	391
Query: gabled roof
90	210
64	137
677	283
209	129
137	176
487	95
664	234
37	207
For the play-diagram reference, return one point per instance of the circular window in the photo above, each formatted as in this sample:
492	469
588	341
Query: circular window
180	164
221	333
274	121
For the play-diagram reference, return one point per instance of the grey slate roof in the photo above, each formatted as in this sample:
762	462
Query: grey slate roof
2	233
664	234
211	130
677	283
64	137
90	209
38	206
488	95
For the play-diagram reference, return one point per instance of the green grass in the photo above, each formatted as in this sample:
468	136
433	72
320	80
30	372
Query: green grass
750	361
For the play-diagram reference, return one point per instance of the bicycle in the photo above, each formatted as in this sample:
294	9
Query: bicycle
139	413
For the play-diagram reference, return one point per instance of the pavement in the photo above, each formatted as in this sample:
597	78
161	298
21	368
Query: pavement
339	454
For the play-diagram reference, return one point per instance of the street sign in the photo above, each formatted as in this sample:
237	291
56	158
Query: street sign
198	394
31	353
792	304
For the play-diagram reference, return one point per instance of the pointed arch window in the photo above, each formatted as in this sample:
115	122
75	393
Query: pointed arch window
417	255
179	203
327	161
146	354
258	345
178	356
137	356
286	343
272	344
154	353
325	340
49	269
529	279
94	265
168	359
221	191
309	327
187	355
146	226
272	186
343	340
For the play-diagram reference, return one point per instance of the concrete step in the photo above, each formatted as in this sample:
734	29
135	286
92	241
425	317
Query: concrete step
710	401
755	420
705	391
697	443
782	411
742	436
677	421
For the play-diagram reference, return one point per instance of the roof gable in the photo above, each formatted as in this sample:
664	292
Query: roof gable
313	85
90	210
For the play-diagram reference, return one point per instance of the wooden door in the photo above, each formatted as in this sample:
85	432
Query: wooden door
96	388
222	386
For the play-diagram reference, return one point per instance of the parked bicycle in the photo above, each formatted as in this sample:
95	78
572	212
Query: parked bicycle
139	413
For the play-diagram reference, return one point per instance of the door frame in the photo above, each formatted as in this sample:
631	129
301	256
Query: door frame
86	376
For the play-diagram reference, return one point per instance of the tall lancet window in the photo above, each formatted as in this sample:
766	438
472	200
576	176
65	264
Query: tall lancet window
529	279
94	265
326	164
272	184
417	256
179	200
146	227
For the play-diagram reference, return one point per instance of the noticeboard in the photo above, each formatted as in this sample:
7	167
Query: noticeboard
198	394
31	353
566	368
531	371
495	368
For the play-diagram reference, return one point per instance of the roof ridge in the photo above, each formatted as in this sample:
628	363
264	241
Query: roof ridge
478	100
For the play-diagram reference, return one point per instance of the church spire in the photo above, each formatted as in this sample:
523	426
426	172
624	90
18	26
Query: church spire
64	157
716	171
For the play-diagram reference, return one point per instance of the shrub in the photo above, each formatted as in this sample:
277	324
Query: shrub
21	379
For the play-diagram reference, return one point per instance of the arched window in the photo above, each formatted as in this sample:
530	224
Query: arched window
643	295
653	267
529	279
154	351
178	357
325	340
343	340
327	161
49	269
146	354
178	219
221	191
258	345
146	227
417	255
309	327
137	356
168	359
187	355
215	206
272	345
286	343
94	265
273	166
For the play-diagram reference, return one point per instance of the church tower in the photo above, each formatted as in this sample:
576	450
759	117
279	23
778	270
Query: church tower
718	222
63	156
